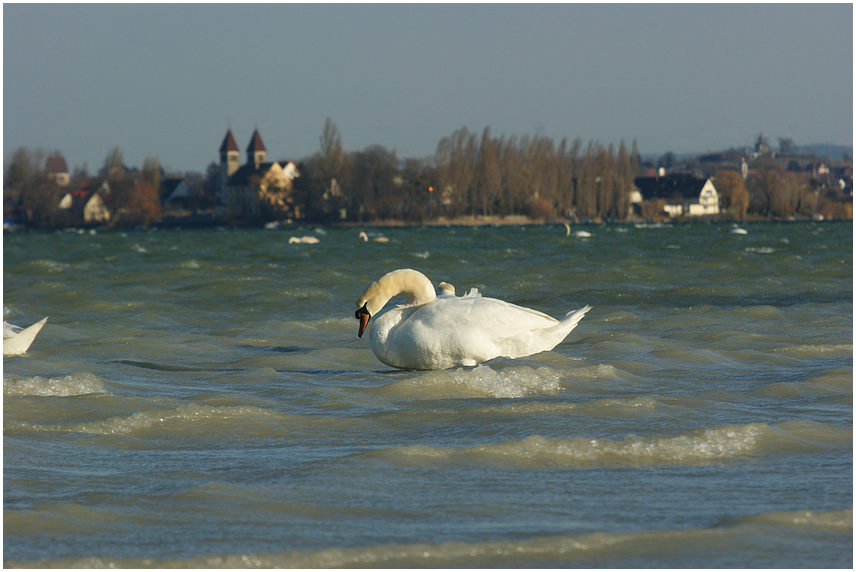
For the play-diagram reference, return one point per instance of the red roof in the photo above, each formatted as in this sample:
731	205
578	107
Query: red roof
229	143
56	164
256	143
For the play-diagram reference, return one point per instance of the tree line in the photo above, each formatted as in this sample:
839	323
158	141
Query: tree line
470	174
32	197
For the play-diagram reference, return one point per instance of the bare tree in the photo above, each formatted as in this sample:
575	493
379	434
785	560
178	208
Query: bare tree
152	172
114	167
732	192
488	180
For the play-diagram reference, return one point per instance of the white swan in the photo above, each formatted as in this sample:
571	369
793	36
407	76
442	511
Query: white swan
17	340
437	332
445	289
365	238
304	240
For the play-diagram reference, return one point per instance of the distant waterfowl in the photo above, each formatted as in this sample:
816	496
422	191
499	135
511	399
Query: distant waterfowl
437	332
17	340
303	240
738	230
365	238
567	229
582	234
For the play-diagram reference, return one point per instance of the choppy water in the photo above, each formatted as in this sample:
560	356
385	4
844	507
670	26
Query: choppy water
200	398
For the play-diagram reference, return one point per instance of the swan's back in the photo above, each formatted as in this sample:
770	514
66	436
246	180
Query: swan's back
467	330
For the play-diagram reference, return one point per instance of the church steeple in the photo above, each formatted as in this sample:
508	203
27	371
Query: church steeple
256	151
229	154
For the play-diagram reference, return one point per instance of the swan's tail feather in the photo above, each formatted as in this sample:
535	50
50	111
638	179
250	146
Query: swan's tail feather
571	319
20	342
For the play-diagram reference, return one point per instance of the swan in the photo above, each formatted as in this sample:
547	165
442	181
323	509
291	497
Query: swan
17	340
438	332
445	289
365	238
304	240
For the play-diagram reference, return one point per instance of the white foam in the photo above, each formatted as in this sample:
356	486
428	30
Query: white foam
698	447
67	386
180	416
481	381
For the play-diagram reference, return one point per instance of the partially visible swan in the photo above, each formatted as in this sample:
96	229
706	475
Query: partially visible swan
304	240
437	332
446	289
738	230
567	229
582	234
17	340
365	238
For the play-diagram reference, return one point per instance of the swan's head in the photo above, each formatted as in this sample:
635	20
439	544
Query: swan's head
363	315
415	285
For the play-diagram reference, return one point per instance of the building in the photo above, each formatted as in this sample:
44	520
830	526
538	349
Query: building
681	193
258	188
86	207
57	170
177	194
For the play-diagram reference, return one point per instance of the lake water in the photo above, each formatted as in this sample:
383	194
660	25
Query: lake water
201	399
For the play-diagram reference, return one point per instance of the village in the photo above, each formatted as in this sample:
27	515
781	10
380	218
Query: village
472	179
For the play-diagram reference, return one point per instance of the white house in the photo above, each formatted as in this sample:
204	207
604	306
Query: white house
95	211
707	203
681	194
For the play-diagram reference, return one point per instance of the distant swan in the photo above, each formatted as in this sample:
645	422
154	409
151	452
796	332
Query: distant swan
17	340
365	238
304	240
437	332
582	234
738	230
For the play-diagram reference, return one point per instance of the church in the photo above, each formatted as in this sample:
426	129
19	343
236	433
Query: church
258	189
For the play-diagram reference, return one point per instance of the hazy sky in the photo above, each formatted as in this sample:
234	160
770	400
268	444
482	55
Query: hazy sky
168	80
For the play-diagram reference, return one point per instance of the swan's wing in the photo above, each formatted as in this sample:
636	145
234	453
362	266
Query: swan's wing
20	342
474	317
10	330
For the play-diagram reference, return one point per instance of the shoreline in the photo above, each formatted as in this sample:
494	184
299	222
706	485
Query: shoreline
198	221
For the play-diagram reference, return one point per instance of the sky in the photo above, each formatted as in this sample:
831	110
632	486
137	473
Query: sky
168	80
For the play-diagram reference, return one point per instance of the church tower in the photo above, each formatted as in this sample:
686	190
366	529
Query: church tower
229	154
256	152
229	157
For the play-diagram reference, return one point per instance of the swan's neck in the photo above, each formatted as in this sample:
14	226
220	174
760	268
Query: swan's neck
411	283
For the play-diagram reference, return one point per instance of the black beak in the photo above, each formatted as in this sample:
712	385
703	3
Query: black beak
363	316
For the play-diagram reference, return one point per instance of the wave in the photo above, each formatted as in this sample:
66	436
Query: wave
702	446
763	540
185	419
599	407
67	386
481	381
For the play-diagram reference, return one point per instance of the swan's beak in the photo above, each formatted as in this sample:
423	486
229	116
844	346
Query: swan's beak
363	316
